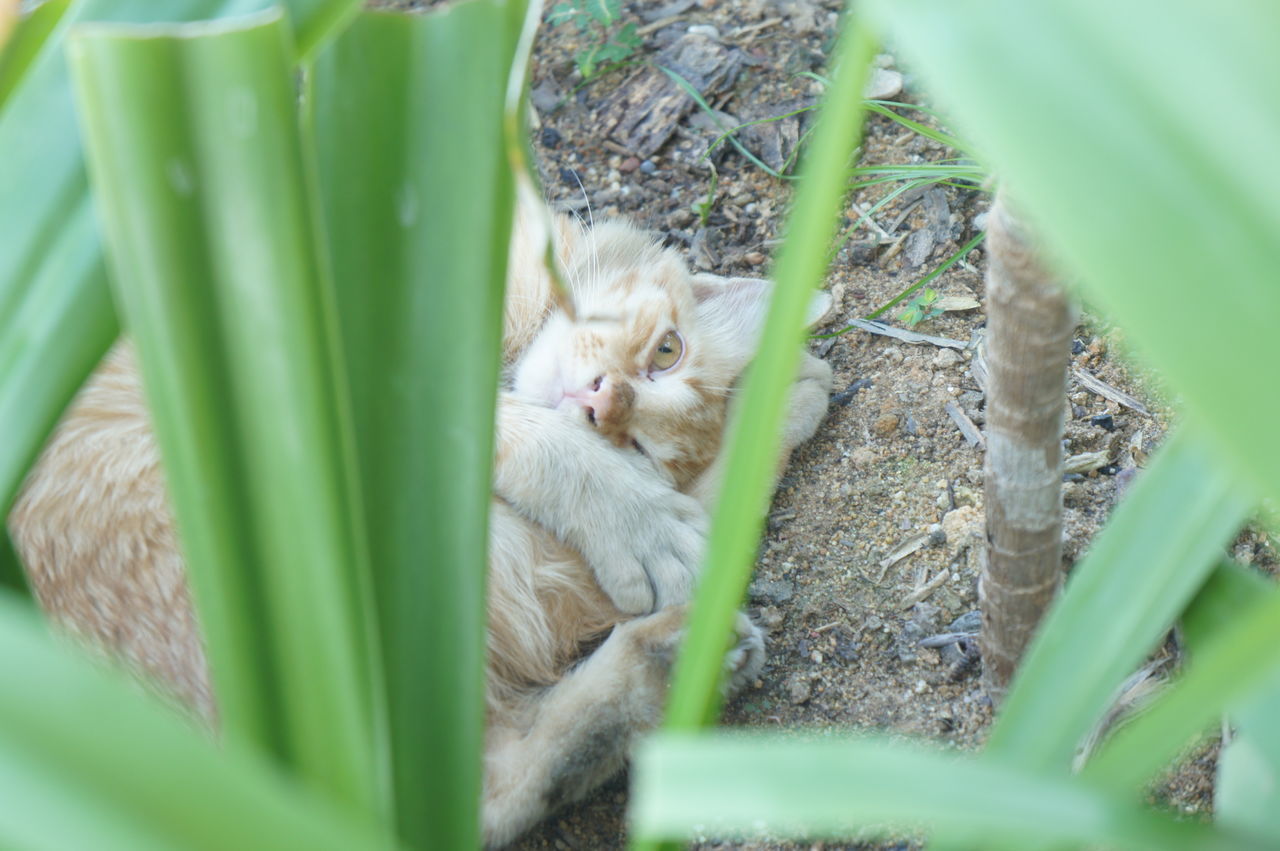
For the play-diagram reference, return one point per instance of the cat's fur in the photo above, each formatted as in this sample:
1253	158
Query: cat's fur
604	470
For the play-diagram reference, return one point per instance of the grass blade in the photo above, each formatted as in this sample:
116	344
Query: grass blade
731	785
137	776
1143	568
753	435
203	188
414	176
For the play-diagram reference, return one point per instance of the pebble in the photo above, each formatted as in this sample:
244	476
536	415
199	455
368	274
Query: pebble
883	85
946	358
962	524
629	165
755	258
704	29
775	591
771	618
648	167
863	457
550	137
885	425
799	689
1104	421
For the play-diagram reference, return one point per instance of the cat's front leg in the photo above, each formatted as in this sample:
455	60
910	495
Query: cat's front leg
642	538
583	727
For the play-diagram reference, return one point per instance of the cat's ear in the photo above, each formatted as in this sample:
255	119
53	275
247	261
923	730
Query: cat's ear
734	309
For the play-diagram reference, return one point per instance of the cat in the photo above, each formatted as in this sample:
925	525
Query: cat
607	459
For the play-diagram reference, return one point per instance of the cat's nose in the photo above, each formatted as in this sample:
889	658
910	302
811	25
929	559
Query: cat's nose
597	399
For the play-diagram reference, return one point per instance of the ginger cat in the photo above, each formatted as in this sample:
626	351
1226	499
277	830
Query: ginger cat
607	458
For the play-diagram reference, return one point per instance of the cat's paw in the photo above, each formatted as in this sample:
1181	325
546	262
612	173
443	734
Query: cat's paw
746	659
651	561
654	641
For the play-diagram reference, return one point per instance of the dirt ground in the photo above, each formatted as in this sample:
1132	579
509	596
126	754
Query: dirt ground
890	471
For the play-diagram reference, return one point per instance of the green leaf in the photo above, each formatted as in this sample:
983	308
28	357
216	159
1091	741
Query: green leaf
86	761
1105	123
1236	666
205	192
25	43
56	316
408	122
771	787
1247	794
752	442
1142	569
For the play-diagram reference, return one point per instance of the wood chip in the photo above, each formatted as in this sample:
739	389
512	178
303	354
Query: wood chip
913	337
978	367
967	427
923	592
901	551
1084	462
645	110
1106	391
950	303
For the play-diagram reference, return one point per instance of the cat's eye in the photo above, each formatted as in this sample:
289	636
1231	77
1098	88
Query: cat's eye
670	350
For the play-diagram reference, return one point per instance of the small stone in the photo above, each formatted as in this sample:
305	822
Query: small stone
648	167
883	85
629	165
885	425
774	591
755	258
799	689
550	137
962	524
863	457
1103	421
680	218
704	29
771	618
945	358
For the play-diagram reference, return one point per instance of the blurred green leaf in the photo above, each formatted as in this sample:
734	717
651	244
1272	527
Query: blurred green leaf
25	42
772	787
202	183
418	197
1144	566
56	315
86	761
1237	663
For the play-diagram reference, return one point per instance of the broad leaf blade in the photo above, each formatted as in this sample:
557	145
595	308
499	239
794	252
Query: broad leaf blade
1142	569
134	775
1234	666
205	193
20	44
713	785
56	317
408	115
